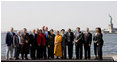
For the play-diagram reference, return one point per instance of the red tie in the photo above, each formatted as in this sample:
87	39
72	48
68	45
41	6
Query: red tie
86	34
11	35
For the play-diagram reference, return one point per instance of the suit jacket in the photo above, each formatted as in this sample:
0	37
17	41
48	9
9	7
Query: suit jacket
9	38
46	38
71	37
87	38
51	39
79	37
16	41
99	39
64	40
33	40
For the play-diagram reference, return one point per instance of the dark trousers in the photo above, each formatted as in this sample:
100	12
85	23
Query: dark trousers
32	52
45	52
22	55
95	49
100	52
87	51
79	51
51	51
70	50
17	51
39	52
64	52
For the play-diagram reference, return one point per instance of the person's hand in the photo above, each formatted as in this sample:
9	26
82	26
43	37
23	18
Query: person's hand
31	45
76	41
26	41
15	46
38	44
89	44
49	46
94	41
97	44
21	43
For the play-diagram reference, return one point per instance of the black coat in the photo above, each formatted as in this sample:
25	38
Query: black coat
88	38
64	39
51	40
25	46
71	37
32	40
98	38
94	38
47	39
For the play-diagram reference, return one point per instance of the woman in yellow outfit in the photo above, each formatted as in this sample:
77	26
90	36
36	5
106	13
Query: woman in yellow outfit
57	45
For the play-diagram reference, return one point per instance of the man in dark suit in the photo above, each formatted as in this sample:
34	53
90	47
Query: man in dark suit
16	44
25	44
87	43
79	43
70	38
33	44
63	44
51	44
9	43
46	33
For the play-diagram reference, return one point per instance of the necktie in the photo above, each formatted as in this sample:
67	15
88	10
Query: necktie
34	35
86	34
11	36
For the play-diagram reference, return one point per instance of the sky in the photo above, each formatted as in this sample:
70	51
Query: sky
57	14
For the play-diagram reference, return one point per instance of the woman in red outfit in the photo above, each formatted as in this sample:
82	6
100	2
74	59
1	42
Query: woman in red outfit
41	44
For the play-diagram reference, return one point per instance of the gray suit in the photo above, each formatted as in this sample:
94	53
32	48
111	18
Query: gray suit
79	51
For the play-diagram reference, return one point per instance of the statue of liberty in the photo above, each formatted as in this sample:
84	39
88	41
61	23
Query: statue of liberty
110	19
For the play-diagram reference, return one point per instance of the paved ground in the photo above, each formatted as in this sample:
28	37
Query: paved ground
105	59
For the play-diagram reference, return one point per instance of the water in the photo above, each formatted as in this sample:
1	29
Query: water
109	47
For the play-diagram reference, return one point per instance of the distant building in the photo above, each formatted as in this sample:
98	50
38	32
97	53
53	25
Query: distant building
110	29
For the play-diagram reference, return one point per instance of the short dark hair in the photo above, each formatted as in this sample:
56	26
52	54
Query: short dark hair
99	29
52	30
69	29
78	28
24	28
40	30
62	30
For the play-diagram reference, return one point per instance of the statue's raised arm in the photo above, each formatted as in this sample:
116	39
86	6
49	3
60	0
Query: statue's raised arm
110	18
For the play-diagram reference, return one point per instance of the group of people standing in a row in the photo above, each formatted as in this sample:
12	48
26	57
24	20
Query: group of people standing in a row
44	44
